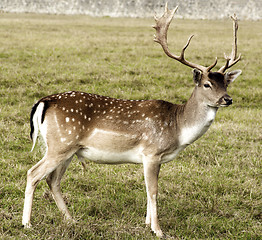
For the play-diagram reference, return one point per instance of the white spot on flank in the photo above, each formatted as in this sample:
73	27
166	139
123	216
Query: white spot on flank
62	139
69	132
67	119
73	119
72	110
145	137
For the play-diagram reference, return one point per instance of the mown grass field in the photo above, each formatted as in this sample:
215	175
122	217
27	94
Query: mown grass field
212	190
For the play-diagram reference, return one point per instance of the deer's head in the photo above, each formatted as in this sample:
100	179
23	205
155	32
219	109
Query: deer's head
210	86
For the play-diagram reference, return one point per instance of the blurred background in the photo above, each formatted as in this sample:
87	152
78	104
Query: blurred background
193	9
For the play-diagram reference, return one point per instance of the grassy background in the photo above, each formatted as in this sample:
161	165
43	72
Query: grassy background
211	190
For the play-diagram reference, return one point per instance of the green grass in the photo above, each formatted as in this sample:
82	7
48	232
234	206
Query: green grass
212	190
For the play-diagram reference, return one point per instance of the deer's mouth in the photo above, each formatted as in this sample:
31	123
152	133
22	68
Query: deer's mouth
216	106
224	101
225	105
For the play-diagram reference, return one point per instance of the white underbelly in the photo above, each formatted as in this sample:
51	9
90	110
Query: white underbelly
106	157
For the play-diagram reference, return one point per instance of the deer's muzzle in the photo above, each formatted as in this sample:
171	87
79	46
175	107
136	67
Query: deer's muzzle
226	100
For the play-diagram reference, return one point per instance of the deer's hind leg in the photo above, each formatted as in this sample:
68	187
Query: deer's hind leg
53	180
42	169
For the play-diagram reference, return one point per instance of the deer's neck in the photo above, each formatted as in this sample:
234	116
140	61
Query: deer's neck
196	119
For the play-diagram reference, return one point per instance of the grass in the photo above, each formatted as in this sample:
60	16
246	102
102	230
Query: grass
212	190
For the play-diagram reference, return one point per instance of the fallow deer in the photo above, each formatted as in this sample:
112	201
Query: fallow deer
115	131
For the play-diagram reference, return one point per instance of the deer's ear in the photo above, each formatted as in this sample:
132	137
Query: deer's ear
197	75
231	76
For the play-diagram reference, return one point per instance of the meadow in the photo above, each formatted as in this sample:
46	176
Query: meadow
212	190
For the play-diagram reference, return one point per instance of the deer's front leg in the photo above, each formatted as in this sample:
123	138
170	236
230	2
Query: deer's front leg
151	171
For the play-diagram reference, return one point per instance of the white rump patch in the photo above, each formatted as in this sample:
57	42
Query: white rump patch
38	125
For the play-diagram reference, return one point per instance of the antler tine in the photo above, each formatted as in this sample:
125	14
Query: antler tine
183	57
162	25
232	60
185	47
235	29
208	69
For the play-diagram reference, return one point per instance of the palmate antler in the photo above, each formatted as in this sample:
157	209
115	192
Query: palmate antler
162	25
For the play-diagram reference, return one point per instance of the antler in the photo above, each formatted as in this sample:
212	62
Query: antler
161	27
232	60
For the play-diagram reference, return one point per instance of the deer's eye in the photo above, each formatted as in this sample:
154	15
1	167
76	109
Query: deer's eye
206	85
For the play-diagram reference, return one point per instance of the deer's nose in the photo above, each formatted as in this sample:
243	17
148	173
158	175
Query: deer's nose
228	100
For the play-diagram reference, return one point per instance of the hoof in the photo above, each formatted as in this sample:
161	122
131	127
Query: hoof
27	225
159	233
